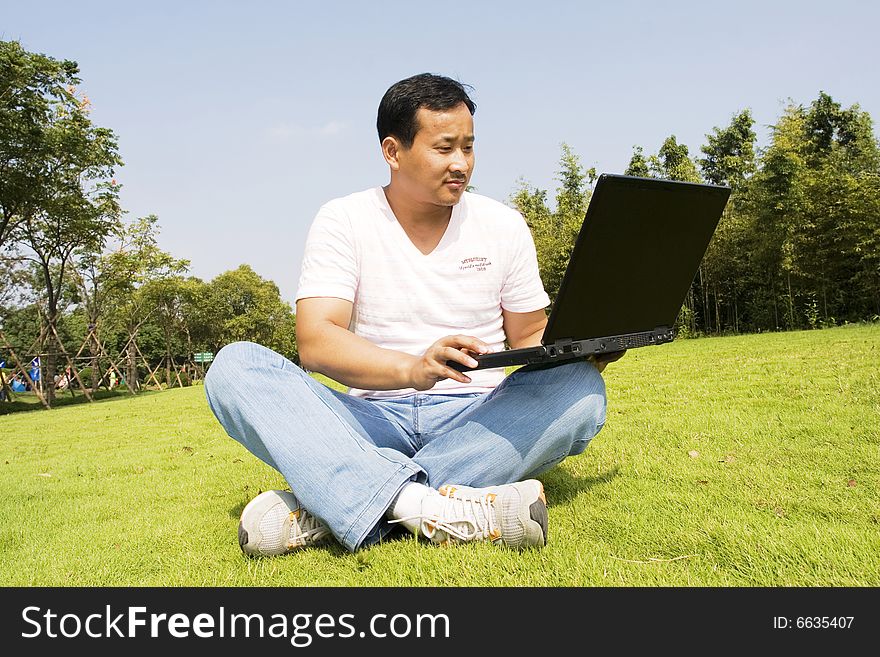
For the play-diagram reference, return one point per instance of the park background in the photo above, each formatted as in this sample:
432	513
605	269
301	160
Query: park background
189	153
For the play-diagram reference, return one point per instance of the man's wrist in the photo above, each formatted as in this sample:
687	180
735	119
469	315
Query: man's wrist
404	370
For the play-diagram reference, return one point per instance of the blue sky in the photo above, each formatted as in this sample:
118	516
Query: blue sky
237	120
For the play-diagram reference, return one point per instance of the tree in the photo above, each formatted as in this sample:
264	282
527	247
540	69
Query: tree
35	91
848	133
12	277
729	160
730	154
673	162
135	261
815	223
77	207
554	232
244	306
173	299
839	210
638	165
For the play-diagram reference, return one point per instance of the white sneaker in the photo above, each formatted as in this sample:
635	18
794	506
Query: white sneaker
514	515
274	523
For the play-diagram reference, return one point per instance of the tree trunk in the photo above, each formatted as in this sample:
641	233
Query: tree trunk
131	374
48	363
775	309
693	317
735	311
825	300
704	300
93	353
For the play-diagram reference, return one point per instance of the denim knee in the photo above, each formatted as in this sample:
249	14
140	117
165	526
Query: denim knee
221	365
583	386
237	357
590	411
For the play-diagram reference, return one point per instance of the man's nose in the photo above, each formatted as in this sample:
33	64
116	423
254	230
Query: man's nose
459	163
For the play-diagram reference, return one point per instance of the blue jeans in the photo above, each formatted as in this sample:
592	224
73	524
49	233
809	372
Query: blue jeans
346	458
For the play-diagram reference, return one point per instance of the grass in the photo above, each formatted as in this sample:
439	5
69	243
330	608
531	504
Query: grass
736	461
28	401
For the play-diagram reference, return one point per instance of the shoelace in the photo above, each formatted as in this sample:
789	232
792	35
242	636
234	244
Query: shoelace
460	511
311	529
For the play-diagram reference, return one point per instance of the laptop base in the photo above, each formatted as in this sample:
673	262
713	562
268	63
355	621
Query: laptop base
563	350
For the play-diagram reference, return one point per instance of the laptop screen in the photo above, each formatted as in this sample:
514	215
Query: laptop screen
636	255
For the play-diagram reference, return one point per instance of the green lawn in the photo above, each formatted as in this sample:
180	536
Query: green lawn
741	461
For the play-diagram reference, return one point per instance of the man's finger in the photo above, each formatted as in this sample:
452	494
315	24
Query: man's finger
451	353
466	342
449	373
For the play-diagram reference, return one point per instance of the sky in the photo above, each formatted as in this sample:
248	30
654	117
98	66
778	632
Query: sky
237	120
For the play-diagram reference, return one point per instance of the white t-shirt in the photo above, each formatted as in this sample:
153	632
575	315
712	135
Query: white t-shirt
406	300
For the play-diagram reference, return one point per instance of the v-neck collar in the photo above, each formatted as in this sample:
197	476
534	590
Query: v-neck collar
451	226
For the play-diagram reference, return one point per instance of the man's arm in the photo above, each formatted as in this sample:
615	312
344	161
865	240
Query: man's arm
524	329
327	346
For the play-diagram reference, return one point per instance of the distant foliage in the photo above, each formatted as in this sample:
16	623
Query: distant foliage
554	231
798	245
78	282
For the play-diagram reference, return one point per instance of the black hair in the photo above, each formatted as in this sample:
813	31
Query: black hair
399	105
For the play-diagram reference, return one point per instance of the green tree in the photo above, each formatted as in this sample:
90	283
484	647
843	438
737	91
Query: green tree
77	210
776	202
729	160
673	162
35	91
638	164
830	130
244	306
730	152
555	231
839	210
166	297
814	212
135	261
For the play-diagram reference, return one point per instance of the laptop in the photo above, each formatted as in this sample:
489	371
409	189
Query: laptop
635	257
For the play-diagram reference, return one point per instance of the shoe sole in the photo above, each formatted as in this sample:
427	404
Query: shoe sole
538	517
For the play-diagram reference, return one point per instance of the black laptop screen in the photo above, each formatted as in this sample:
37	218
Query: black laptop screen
637	254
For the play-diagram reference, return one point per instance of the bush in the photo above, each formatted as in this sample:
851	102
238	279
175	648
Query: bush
683	323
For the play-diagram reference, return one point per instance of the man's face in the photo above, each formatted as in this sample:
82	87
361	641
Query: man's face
437	167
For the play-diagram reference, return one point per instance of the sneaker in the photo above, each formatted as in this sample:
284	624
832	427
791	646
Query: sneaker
274	523
514	515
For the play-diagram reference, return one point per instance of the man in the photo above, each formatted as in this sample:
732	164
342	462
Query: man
395	282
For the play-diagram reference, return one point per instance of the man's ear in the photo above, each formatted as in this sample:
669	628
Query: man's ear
390	151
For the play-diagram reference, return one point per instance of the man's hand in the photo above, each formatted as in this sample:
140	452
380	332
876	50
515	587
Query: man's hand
431	367
601	360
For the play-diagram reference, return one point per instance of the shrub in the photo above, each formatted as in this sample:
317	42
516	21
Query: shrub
85	375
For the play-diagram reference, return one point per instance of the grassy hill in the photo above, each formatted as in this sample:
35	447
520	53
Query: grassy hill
739	461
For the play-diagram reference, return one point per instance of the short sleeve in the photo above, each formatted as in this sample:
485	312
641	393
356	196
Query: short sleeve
523	291
329	265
